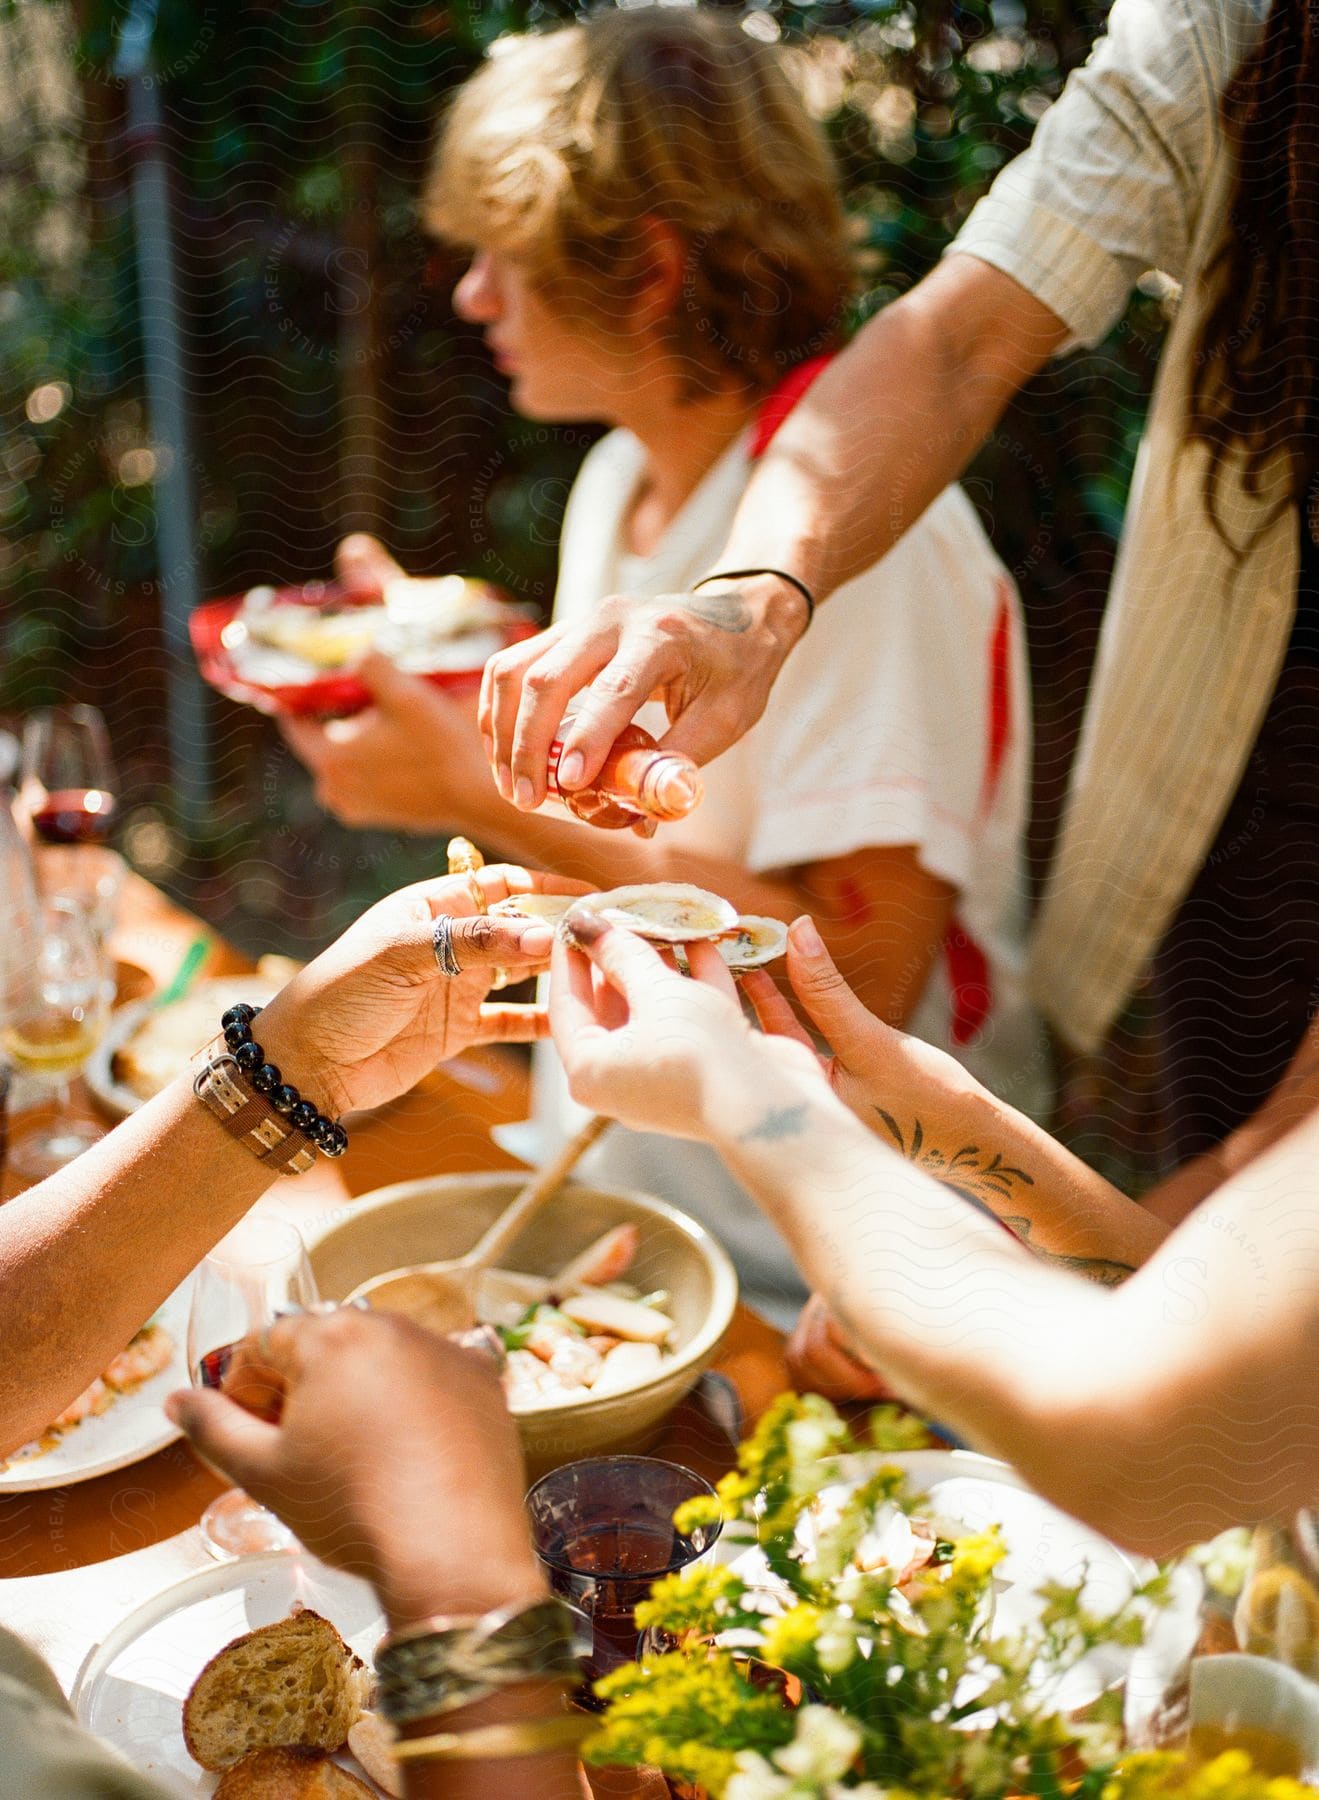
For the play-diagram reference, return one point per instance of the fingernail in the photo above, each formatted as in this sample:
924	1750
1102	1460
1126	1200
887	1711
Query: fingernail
522	793
804	935
536	940
571	769
583	927
171	1406
504	776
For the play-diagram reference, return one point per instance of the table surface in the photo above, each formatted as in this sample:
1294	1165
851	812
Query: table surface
77	1559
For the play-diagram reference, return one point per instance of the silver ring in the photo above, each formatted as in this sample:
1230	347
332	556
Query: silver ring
442	940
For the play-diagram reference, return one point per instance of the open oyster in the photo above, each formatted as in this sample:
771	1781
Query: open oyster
753	942
550	907
670	912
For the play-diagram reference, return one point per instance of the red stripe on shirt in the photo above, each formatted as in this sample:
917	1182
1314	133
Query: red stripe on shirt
1000	695
778	404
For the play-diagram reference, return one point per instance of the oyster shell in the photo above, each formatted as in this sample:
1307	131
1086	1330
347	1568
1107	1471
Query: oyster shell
754	942
550	907
671	912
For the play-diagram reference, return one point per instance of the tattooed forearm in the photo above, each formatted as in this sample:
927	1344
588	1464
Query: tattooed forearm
726	609
1101	1269
779	1122
981	1174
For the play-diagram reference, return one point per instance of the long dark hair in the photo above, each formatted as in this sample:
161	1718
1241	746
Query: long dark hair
1254	382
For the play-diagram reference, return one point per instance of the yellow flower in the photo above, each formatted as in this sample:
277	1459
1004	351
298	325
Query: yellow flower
790	1639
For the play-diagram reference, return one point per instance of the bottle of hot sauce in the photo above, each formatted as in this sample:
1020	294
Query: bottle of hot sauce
637	782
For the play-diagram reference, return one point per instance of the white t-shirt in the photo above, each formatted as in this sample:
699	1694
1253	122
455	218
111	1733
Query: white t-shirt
902	717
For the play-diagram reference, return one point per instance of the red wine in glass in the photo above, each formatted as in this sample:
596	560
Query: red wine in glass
619	1563
214	1365
603	1530
74	816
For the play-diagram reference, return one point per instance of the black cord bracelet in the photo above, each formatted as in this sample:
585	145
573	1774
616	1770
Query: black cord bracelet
327	1134
779	574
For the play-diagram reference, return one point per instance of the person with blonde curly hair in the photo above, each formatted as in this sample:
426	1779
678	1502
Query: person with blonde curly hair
659	244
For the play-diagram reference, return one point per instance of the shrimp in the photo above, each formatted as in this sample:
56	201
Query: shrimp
91	1400
149	1353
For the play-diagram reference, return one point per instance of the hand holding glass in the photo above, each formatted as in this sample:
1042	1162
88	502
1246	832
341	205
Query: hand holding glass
253	1275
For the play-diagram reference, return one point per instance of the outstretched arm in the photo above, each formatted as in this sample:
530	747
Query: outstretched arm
922	1103
879	435
1162	1412
106	1240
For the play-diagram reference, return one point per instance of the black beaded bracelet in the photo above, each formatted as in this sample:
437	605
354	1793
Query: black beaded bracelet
327	1134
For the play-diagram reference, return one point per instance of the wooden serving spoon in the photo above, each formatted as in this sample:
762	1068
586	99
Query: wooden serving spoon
442	1295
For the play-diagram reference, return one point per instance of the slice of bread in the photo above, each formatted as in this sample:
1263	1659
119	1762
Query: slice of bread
289	1775
291	1683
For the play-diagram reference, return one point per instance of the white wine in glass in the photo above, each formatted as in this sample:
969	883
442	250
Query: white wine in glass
52	1016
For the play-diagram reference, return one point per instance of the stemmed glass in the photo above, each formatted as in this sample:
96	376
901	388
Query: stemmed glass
19	938
253	1275
68	780
52	1016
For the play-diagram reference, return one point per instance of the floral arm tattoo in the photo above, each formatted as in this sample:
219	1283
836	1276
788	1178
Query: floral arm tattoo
982	1177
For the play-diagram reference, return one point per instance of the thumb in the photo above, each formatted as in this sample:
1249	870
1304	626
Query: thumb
854	1034
235	1441
363	563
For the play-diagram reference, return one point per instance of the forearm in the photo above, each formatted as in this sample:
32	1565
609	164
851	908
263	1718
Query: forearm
88	1255
552	1776
887	427
944	1303
1112	1404
495	1579
1058	1206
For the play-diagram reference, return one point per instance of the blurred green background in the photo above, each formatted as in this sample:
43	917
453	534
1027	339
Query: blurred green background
329	386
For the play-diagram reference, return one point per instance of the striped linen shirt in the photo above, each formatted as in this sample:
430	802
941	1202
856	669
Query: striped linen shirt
1130	171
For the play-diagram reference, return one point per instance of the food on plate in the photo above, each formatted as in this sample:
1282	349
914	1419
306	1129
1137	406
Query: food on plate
147	1354
290	1775
909	1546
291	1684
583	1331
371	1742
297	634
671	912
167	1038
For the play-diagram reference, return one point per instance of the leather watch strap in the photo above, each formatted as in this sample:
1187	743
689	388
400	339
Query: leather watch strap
248	1116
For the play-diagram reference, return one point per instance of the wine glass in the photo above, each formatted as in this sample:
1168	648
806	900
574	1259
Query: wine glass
18	909
253	1275
68	779
52	1015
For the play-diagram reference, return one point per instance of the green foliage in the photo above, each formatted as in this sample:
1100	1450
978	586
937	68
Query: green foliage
298	137
904	1686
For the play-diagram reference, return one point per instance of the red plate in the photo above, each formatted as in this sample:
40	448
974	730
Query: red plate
329	696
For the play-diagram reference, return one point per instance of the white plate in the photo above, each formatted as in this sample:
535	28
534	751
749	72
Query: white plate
119	1101
133	1428
130	1690
1043	1545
